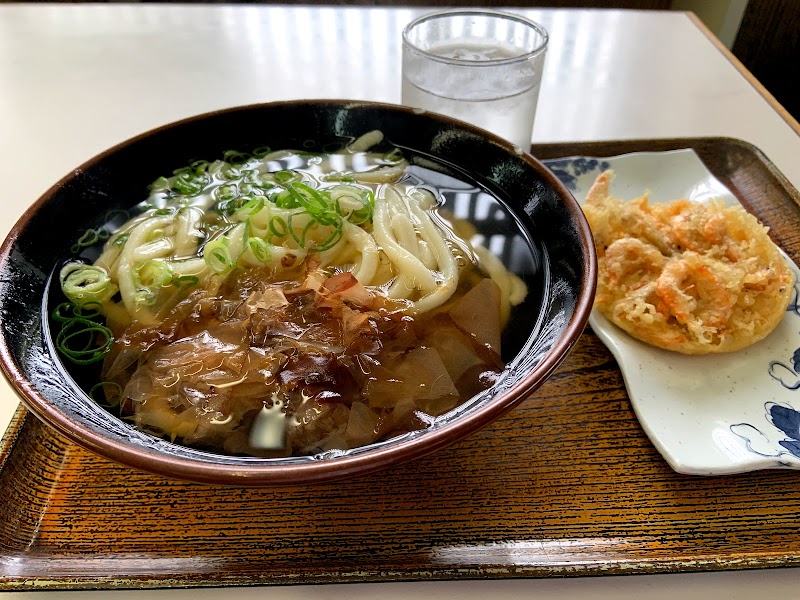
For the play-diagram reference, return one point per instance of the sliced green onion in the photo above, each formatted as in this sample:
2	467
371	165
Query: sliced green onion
229	172
162	183
318	204
284	199
300	239
250	190
84	341
311	199
183	185
217	256
121	239
116	397
251	207
82	283
259	248
226	192
185	281
66	311
154	273
89	238
284	177
333	239
191	180
253	177
261	151
362	199
235	205
235	157
278	227
59	312
324	210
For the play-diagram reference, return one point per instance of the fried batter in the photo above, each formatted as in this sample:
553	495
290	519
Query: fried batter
691	277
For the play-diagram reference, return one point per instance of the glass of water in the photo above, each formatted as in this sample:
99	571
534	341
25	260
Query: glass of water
483	67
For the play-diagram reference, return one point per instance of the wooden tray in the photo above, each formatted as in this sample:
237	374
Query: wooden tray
566	484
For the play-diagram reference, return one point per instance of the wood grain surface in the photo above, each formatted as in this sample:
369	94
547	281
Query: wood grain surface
565	484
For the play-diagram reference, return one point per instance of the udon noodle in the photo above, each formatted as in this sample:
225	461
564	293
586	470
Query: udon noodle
285	303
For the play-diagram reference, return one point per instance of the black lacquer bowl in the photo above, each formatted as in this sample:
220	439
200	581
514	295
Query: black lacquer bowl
557	258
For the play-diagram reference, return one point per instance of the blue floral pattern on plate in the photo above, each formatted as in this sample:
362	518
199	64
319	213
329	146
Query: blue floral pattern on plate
568	170
709	415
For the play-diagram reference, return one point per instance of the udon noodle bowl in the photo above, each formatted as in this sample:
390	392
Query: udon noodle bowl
282	303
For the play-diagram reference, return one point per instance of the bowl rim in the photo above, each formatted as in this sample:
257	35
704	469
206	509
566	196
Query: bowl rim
261	474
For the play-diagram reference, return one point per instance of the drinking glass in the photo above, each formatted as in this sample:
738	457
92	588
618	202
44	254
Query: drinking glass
480	66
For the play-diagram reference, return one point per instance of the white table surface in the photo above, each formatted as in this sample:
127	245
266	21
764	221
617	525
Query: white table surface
76	79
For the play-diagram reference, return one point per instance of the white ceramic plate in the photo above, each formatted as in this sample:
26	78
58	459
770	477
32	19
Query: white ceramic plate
706	415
